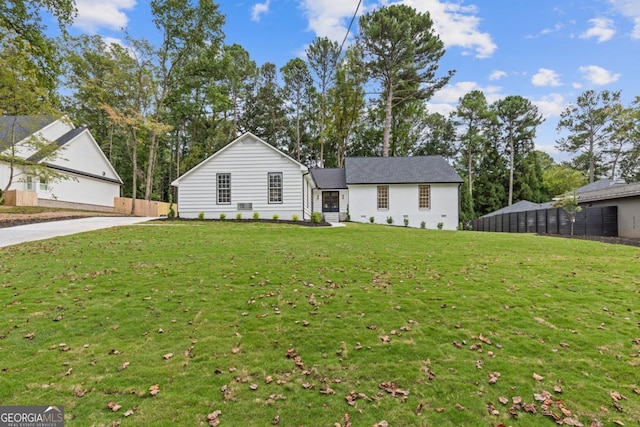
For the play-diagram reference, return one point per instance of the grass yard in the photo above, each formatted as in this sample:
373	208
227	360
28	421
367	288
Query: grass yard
169	323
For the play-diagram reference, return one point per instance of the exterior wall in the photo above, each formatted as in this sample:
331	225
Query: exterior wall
344	201
403	202
50	132
83	154
308	197
248	161
80	189
628	215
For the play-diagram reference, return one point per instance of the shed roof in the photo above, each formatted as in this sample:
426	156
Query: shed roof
329	178
399	170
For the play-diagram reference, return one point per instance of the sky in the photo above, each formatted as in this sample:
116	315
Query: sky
549	51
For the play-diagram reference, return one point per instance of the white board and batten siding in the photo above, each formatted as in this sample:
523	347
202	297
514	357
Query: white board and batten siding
404	203
248	160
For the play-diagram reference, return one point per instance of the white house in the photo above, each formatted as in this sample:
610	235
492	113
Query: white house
246	176
88	176
249	175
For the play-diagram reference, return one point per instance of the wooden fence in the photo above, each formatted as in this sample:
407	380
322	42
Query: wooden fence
142	207
592	221
20	198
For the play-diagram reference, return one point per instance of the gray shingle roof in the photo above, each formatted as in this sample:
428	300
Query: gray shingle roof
329	178
399	170
23	126
600	184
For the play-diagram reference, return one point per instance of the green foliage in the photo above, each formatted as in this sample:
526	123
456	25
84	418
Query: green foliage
223	216
239	216
172	212
201	215
389	220
256	215
295	218
316	217
440	225
559	180
372	219
275	217
423	225
569	203
406	222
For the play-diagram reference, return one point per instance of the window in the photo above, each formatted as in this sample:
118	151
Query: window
224	188
275	187
423	196
30	184
383	197
43	184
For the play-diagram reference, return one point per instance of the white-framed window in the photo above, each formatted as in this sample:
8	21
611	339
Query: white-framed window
223	181
424	191
383	197
43	184
31	185
275	187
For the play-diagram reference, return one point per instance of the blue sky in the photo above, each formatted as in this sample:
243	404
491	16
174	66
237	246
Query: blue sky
549	51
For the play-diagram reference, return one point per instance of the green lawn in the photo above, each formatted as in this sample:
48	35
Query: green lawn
320	325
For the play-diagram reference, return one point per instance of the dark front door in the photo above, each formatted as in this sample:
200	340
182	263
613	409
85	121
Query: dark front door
330	201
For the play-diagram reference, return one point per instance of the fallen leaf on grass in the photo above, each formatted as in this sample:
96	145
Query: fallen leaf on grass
269	379
128	413
213	418
493	377
235	350
492	409
154	390
537	377
114	406
30	336
617	396
557	388
503	400
167	356
382	423
393	389
275	420
385	338
421	407
115	352
459	407
253	386
353	396
325	389
618	422
124	366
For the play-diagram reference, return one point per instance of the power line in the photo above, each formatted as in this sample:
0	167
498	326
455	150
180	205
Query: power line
353	18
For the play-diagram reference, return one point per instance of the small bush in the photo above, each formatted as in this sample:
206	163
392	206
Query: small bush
223	216
295	217
316	217
440	225
238	215
201	215
170	215
275	217
389	220
423	224
406	222
372	219
256	216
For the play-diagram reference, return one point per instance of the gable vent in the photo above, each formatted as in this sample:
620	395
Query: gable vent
245	206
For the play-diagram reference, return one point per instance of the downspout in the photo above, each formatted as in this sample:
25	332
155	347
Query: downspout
303	198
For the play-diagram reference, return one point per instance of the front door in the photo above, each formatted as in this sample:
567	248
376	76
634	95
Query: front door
330	201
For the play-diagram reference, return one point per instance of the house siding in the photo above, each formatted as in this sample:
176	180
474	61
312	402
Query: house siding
249	162
403	203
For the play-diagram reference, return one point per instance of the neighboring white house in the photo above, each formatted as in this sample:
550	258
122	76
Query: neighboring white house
246	176
249	175
90	177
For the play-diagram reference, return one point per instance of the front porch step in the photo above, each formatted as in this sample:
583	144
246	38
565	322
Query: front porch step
332	217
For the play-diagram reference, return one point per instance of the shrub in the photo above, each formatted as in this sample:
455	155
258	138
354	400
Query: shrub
170	215
223	216
440	225
389	220
201	215
423	224
275	217
256	216
316	217
238	215
406	222
295	217
372	219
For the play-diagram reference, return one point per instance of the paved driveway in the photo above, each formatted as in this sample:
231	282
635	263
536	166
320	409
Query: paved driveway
46	230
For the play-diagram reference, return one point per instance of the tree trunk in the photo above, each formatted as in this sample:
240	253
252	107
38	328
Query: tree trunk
152	155
387	122
511	167
134	160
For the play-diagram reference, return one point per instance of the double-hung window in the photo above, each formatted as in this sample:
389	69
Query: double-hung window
423	196
383	197
275	187
223	181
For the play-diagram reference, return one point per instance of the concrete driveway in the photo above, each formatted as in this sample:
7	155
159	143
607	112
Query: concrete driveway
45	230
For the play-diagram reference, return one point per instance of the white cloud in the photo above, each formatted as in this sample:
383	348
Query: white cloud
630	9
446	99
259	9
598	75
93	15
497	75
602	29
551	105
457	25
545	77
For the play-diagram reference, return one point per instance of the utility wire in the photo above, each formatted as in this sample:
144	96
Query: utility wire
353	18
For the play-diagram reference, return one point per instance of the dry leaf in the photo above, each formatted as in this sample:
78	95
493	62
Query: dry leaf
114	406
128	413
167	356
253	386
617	396
503	400
557	389
537	377
30	336
275	420
235	350
213	418
382	423
385	338
124	366
154	390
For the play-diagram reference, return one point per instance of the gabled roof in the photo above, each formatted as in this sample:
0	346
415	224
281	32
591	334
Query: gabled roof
60	142
333	178
241	138
399	170
22	126
521	206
